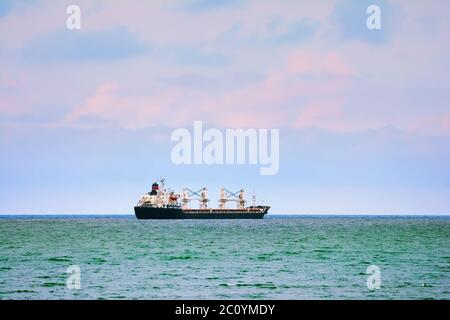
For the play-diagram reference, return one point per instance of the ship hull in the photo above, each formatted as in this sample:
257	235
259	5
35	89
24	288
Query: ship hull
177	213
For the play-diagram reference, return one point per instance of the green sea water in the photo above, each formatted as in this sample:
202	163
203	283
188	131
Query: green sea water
274	258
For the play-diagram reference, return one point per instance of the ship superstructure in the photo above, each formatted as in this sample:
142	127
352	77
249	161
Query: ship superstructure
160	203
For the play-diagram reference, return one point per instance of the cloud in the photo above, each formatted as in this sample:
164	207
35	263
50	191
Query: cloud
79	45
10	81
304	77
277	33
108	108
310	90
195	56
321	114
430	125
297	32
275	101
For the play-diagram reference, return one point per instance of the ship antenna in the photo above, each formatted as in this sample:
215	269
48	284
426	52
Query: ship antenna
254	198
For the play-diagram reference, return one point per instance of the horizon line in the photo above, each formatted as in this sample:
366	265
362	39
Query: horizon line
271	214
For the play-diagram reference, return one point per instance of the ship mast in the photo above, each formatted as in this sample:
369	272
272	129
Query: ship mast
162	180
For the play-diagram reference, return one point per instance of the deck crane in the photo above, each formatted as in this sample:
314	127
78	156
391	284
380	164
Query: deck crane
237	196
202	195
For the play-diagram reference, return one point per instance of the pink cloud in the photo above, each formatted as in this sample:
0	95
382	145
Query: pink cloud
320	114
12	100
432	125
12	105
128	111
12	82
330	64
266	103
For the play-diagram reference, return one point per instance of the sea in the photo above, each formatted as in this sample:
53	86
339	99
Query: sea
279	257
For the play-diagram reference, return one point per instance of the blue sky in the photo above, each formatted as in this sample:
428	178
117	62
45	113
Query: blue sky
364	116
64	46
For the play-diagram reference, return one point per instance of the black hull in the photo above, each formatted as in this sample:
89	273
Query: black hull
175	213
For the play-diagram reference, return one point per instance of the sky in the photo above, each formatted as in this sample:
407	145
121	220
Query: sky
86	115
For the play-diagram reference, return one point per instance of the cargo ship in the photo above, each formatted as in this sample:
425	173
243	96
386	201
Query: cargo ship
162	204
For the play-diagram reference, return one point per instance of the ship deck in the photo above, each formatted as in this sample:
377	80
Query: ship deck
211	210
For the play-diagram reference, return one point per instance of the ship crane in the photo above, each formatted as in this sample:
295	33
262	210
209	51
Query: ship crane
202	195
226	196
